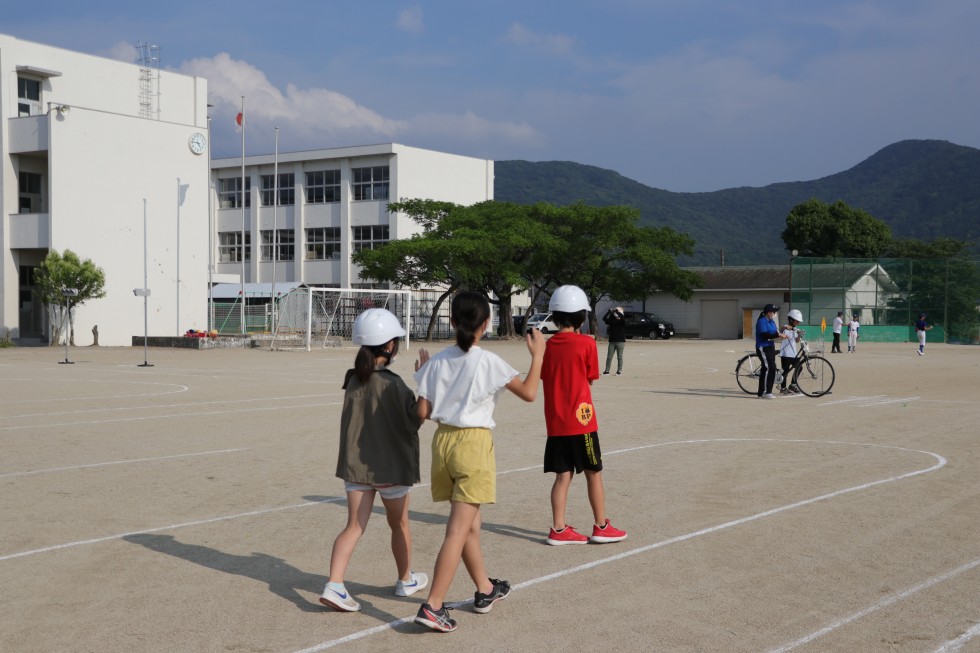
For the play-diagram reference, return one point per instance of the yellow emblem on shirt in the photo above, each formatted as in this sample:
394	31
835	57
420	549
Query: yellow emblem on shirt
584	413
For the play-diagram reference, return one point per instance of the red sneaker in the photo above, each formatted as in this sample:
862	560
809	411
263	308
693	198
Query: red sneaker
567	535
606	533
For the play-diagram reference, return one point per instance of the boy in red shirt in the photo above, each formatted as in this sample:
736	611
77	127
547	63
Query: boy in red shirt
571	364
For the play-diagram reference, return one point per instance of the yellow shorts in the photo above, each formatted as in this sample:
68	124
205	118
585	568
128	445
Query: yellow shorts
463	465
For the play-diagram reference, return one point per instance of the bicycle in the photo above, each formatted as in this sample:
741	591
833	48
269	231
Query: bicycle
813	375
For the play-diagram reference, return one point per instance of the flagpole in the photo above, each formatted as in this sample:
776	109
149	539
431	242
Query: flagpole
275	231
243	218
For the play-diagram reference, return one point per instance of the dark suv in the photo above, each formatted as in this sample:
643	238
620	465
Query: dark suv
647	325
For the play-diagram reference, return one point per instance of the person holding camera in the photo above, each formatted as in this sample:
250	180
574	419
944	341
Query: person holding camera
615	320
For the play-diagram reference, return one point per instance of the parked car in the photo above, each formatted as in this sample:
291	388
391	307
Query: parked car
542	322
647	325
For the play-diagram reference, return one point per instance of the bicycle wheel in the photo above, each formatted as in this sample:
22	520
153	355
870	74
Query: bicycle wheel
747	373
814	377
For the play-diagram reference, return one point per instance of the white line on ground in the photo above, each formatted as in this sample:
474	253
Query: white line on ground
851	400
941	462
935	580
181	405
888	401
171	416
954	645
119	462
180	388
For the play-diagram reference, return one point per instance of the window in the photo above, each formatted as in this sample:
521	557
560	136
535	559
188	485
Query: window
28	96
287	248
287	190
370	183
370	237
322	186
322	243
230	246
30	192
230	193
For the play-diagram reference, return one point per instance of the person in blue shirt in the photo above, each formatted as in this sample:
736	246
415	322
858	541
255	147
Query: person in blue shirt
920	331
765	332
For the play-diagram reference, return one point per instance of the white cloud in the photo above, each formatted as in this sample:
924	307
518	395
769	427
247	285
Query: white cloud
121	51
410	20
315	118
557	44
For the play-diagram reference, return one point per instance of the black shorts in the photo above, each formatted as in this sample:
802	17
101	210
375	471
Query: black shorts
566	453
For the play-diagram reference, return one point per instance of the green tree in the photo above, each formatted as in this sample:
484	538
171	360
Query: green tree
425	260
817	229
605	251
58	272
485	247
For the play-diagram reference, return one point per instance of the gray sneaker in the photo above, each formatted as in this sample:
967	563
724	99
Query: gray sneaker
483	603
340	601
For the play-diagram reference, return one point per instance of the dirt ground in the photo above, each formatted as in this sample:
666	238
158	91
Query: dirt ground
191	506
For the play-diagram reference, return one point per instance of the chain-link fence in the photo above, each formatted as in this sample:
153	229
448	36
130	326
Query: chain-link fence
889	294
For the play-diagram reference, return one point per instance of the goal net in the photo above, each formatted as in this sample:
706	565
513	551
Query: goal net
324	317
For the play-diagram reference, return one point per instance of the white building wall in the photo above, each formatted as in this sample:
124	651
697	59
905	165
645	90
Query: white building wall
100	160
414	174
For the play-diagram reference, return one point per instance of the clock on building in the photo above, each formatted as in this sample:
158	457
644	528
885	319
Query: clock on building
197	143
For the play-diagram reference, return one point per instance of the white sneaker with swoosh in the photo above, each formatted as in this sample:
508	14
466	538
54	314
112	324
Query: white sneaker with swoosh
416	581
340	601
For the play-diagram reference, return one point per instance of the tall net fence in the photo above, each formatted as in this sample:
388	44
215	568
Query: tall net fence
888	295
322	317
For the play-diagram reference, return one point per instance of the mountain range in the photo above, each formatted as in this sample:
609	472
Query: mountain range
920	188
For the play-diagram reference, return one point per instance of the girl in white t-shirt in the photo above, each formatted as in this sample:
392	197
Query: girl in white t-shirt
789	348
458	388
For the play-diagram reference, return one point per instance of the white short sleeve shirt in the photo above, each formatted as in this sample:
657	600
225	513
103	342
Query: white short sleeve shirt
463	386
787	348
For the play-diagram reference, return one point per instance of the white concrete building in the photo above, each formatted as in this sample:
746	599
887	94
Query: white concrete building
332	203
84	142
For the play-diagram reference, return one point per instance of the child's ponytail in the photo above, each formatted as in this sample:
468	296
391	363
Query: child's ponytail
470	310
367	358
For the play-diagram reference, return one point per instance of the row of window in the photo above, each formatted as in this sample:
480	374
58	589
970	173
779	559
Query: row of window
322	243
322	186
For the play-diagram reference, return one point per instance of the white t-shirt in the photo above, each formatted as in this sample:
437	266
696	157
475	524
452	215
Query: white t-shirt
838	324
788	347
463	386
853	326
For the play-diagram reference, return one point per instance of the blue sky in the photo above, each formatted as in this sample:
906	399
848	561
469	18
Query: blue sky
685	95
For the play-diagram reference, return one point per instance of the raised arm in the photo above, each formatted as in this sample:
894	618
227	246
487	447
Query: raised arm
528	388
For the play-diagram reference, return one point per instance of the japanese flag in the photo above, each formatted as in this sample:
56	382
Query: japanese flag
239	122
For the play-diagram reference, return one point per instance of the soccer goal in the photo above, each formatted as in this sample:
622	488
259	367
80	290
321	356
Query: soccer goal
324	317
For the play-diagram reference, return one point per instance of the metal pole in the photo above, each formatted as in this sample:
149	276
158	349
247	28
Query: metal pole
242	199
275	231
178	257
146	307
210	238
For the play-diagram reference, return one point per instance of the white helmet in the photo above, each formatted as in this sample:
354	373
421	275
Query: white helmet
568	299
376	326
796	315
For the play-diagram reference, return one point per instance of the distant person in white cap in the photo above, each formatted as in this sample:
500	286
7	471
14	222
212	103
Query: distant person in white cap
789	349
853	327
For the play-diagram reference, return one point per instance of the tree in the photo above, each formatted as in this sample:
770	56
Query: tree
604	251
816	229
422	261
58	272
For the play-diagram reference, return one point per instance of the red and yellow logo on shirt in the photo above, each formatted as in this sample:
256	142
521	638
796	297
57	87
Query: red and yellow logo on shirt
584	413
